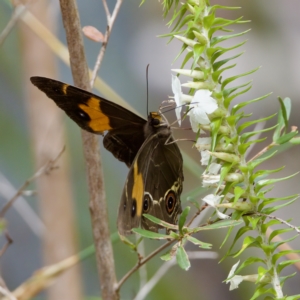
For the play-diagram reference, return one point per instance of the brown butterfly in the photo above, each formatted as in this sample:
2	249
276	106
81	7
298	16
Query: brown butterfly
154	181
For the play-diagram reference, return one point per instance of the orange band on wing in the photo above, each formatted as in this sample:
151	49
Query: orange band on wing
99	121
64	88
138	189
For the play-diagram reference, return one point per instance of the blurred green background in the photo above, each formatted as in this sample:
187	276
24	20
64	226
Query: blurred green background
273	44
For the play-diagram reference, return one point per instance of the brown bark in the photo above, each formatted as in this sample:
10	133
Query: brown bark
98	207
54	191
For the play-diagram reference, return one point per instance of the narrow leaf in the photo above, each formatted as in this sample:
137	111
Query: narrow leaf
182	258
182	218
160	222
150	235
199	243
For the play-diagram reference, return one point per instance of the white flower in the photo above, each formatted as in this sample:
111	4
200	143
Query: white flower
201	105
203	144
203	140
204	158
210	180
214	168
176	88
213	201
234	280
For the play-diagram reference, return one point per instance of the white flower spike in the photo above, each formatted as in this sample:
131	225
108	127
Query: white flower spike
202	105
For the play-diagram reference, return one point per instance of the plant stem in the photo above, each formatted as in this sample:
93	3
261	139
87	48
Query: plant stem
142	262
98	208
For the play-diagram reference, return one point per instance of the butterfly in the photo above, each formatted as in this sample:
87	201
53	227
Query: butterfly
154	181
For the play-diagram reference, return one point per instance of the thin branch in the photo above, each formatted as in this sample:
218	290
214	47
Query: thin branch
108	16
143	275
144	291
8	242
263	151
98	206
110	22
7	293
198	212
48	167
278	219
142	262
18	11
29	216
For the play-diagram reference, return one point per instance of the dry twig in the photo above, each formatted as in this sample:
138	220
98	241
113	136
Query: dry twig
48	167
110	22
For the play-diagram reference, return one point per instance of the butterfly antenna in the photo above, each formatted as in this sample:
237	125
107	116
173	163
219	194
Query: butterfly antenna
147	86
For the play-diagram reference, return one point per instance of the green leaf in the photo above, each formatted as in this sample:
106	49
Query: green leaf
167	256
182	218
254	220
267	201
220	24
284	278
253	164
262	183
245	136
270	210
263	173
227	92
219	39
183	48
265	226
278	232
197	51
245	103
150	235
215	126
174	235
182	258
217	225
294	297
261	290
286	263
199	243
275	245
240	232
127	242
248	242
286	137
215	7
250	123
179	15
227	236
216	74
276	256
250	261
188	56
295	141
208	21
160	222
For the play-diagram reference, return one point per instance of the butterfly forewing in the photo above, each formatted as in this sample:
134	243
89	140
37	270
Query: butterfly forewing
97	115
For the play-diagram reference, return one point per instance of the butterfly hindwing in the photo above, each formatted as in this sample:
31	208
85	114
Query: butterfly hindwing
153	185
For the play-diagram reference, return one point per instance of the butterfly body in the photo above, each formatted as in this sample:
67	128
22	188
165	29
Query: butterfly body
154	181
